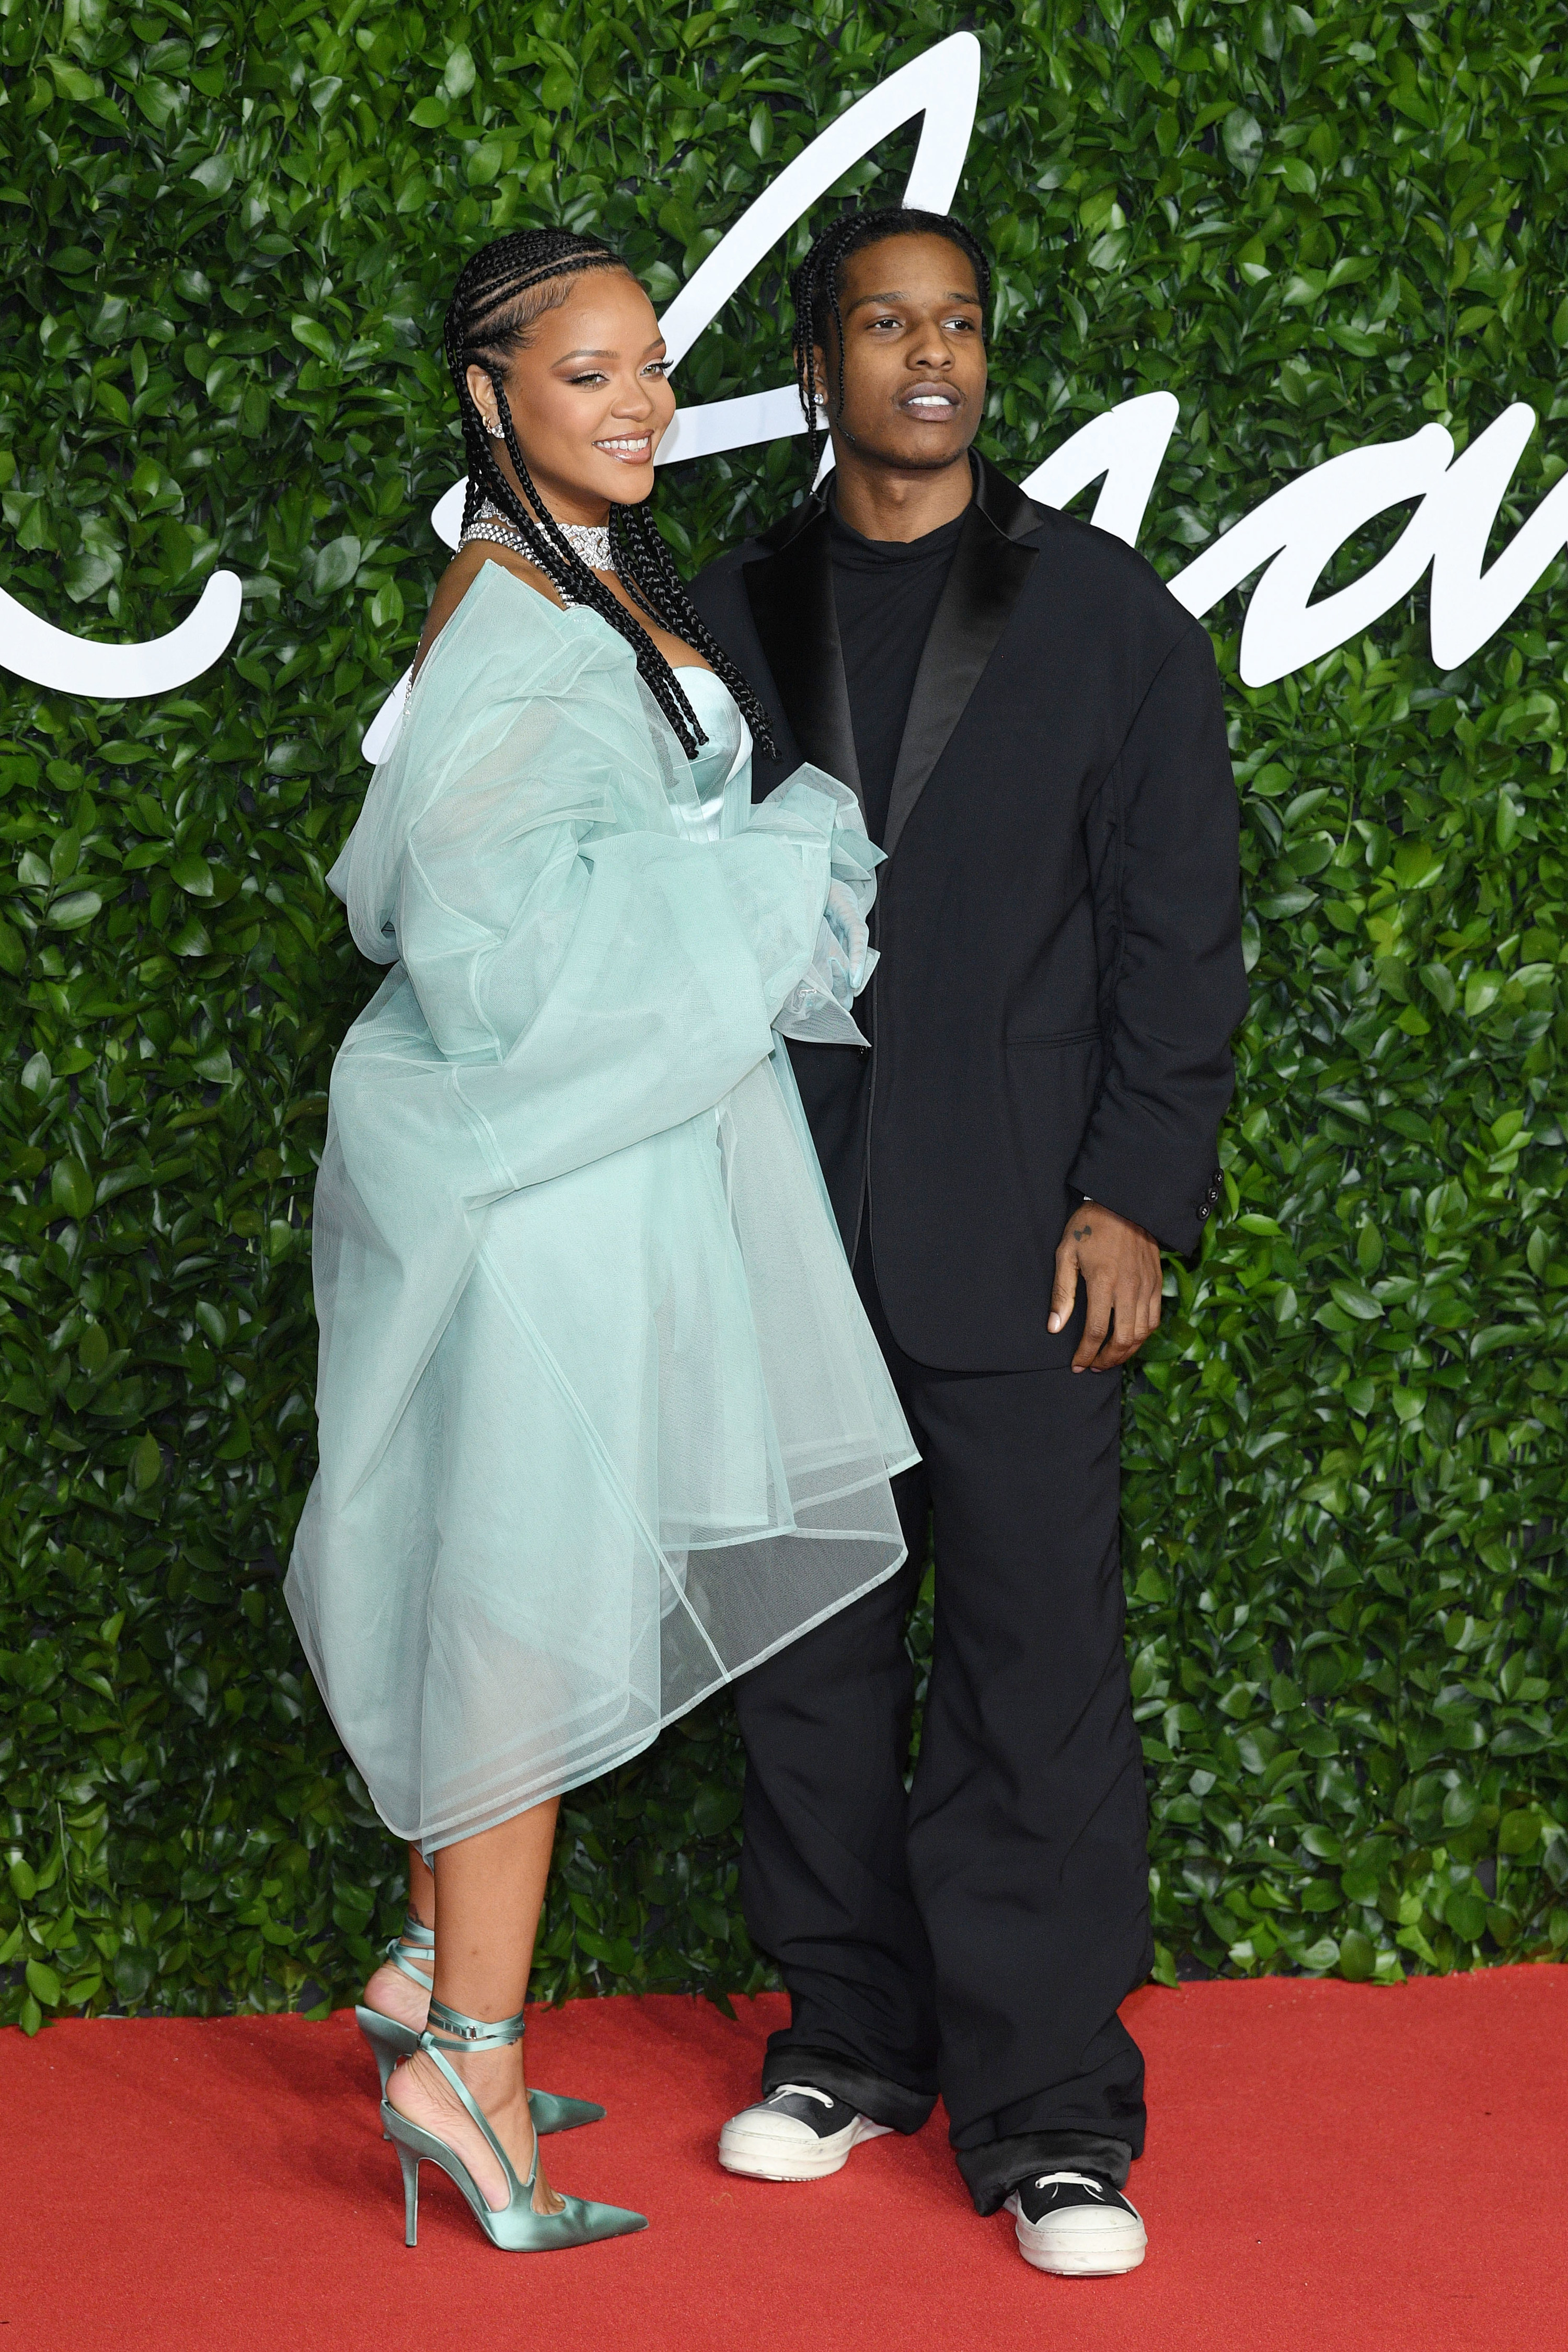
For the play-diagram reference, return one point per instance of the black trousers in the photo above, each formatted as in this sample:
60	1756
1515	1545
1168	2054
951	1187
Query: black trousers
976	1935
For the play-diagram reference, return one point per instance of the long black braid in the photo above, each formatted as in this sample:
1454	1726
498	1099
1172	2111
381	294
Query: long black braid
814	289
489	318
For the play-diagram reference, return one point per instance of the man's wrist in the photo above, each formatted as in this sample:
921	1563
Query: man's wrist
1089	1200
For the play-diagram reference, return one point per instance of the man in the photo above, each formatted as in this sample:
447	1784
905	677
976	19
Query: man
1035	729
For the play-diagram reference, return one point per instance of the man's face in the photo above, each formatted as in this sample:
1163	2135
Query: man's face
914	353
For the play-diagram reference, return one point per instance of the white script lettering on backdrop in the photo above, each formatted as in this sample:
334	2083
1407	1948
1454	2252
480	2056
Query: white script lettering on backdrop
1291	537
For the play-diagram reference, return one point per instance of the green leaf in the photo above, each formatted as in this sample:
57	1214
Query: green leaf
1356	1301
158	100
1358	1956
1439	981
1466	1912
336	565
216	175
147	1463
713	1810
24	1886
71	82
212	1322
43	1984
314	336
71	1189
458	77
1243	137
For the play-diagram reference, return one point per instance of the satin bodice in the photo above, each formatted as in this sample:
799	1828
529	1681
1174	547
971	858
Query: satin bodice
722	769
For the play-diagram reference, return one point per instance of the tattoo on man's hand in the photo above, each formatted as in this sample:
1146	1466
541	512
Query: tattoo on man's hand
1081	1233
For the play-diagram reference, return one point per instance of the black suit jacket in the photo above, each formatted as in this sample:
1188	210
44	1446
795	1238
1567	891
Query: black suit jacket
1059	917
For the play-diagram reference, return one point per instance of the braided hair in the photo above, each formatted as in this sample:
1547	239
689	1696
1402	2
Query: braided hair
501	291
814	289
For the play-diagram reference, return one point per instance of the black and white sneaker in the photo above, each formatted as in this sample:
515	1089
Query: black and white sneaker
1077	2226
796	2133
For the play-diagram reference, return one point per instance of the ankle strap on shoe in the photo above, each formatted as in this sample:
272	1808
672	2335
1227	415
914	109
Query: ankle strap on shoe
423	1939
471	2033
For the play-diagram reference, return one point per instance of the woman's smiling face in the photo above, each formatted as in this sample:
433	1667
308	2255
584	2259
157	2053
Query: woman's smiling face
589	398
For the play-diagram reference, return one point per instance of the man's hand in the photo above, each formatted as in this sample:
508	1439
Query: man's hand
1120	1264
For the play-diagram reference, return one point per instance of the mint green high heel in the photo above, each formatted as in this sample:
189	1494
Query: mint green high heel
390	2040
517	2229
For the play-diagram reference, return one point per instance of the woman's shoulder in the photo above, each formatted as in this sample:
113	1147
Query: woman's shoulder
465	569
494	639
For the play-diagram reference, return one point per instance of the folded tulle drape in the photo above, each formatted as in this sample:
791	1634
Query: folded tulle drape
602	1422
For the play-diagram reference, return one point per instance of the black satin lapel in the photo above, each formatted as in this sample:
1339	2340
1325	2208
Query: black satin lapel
988	571
791	596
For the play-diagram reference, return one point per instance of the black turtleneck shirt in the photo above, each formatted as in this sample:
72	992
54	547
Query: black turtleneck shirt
885	593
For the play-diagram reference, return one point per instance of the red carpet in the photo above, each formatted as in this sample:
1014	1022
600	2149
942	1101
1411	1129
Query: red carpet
1329	2166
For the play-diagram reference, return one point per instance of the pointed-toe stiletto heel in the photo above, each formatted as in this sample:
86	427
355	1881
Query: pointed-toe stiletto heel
390	2040
553	2114
516	2228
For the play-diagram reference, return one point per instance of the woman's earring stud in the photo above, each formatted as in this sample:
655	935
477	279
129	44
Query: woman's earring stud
495	432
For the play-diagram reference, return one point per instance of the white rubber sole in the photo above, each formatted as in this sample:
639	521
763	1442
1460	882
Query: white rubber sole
760	2153
1081	2244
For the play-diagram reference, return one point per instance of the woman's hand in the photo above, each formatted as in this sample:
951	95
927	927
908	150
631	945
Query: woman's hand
1120	1264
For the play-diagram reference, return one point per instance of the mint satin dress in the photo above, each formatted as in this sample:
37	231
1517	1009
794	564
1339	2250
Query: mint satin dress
602	1421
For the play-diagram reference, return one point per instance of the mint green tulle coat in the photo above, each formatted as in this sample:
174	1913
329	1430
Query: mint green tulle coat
602	1421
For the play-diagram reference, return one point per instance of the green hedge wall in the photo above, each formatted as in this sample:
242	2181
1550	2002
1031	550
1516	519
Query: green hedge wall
228	235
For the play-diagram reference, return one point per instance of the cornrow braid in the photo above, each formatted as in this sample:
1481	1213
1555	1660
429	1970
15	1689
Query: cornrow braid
814	288
648	568
489	318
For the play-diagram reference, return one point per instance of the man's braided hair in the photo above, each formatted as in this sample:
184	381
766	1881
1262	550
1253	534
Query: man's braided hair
500	293
816	287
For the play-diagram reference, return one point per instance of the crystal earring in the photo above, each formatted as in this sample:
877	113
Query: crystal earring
495	432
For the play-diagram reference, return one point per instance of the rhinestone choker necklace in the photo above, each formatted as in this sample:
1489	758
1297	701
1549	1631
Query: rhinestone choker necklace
590	543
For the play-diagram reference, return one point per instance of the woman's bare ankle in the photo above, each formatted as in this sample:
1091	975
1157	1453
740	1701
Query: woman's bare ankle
392	1994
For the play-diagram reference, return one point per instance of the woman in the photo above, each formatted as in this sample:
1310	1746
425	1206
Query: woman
602	1421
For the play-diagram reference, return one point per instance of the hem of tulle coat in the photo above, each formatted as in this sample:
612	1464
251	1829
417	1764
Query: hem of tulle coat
435	1836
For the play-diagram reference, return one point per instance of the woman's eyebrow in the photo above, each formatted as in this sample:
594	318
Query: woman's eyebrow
655	345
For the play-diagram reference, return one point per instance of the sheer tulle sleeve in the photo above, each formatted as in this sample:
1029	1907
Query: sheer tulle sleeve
816	1011
521	864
